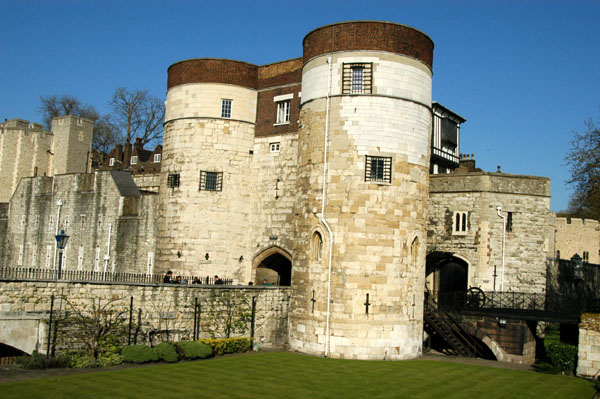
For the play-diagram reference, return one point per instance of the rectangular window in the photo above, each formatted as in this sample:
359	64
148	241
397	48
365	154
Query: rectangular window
378	169
48	255
97	260
157	158
283	111
211	181
586	256
509	221
80	259
173	180
134	160
275	147
111	162
150	263
357	78
459	223
226	108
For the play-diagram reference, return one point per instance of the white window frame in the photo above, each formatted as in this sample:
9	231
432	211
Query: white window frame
157	158
226	108
134	160
283	112
111	162
275	147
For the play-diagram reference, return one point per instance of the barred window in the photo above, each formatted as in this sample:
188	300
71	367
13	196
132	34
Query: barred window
211	181
226	108
357	78
378	169
509	221
283	111
173	180
157	158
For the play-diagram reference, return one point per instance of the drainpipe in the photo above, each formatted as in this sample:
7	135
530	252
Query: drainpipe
323	201
499	209
59	204
107	256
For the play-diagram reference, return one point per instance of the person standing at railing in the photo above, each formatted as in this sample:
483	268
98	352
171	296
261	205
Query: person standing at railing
168	277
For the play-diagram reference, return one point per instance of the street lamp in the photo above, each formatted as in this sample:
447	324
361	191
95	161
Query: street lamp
61	242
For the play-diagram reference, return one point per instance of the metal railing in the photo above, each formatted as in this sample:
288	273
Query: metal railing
30	273
521	301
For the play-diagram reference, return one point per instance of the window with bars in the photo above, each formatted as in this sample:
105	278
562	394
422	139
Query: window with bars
211	181
509	221
226	108
283	111
134	160
173	180
378	169
357	78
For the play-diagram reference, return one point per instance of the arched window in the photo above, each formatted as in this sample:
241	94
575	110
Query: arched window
317	246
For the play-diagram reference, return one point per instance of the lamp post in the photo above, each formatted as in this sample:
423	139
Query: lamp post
577	267
61	242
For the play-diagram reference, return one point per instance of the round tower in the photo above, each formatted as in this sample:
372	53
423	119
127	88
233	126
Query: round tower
208	141
363	161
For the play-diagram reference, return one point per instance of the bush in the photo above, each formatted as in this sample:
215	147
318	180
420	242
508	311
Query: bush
193	350
109	359
563	357
166	351
139	354
38	361
227	345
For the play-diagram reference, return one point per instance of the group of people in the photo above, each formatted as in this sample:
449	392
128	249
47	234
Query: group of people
168	279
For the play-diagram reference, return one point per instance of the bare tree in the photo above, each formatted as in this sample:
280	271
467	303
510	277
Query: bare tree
584	163
137	115
106	135
54	106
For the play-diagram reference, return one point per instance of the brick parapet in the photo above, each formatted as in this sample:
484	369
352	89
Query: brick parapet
369	35
213	70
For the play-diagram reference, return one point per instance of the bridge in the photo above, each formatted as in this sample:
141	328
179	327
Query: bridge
499	324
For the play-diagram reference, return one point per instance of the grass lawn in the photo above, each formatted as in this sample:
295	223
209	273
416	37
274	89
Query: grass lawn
289	375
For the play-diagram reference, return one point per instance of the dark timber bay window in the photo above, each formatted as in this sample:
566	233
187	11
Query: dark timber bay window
357	78
211	181
378	169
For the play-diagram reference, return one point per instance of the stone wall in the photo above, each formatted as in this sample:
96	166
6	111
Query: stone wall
578	236
527	244
104	214
161	307
588	359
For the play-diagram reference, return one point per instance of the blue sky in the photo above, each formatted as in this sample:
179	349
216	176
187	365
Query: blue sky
524	74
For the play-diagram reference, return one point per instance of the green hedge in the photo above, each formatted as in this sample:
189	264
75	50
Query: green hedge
193	350
166	351
227	345
38	361
139	354
562	356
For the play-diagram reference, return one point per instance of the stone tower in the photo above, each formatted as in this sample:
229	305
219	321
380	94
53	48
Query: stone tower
204	203
365	125
71	145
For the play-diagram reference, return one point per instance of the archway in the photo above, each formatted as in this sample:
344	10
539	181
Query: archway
275	265
446	274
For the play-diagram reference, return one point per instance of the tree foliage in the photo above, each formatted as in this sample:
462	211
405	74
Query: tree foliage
137	115
584	165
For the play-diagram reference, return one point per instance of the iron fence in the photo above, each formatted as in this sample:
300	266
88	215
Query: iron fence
30	273
476	299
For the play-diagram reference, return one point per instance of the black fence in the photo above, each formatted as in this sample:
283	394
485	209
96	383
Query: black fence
30	273
492	301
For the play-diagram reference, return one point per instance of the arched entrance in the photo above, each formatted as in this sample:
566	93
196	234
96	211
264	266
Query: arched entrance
275	265
446	274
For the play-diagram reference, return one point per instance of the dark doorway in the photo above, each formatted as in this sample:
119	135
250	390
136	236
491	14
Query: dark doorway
276	269
447	278
453	277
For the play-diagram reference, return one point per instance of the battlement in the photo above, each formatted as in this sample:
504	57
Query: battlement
21	124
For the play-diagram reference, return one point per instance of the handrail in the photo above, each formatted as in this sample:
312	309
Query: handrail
30	273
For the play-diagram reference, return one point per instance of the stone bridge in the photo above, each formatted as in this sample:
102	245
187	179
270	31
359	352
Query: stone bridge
25	307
